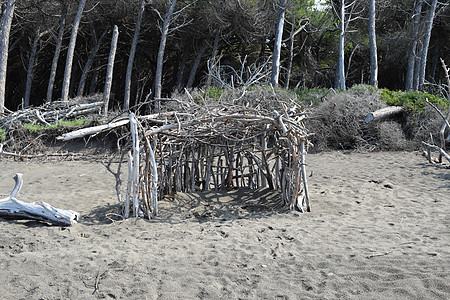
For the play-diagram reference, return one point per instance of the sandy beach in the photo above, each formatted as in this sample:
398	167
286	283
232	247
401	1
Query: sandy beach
379	229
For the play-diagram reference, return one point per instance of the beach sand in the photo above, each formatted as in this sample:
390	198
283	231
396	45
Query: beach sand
379	229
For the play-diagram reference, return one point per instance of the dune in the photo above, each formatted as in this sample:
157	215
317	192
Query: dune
379	229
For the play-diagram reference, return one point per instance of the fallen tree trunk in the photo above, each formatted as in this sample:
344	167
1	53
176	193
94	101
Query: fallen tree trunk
12	208
90	130
383	113
100	128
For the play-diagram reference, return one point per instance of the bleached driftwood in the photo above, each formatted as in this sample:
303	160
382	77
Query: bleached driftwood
383	113
439	149
12	208
52	112
91	130
105	127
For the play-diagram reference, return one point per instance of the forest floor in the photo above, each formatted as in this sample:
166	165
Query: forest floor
379	229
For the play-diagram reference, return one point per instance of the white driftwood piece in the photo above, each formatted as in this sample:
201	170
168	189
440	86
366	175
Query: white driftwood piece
135	168
10	207
383	113
303	172
91	130
439	149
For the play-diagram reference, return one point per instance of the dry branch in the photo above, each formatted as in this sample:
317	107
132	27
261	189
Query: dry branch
439	149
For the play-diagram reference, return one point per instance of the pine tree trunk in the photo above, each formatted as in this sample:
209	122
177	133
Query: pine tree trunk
109	70
162	46
409	85
30	70
277	46
426	44
213	57
290	57
292	35
182	68
341	66
70	51
417	67
94	78
434	64
126	99
54	67
4	43
197	60
373	46
88	65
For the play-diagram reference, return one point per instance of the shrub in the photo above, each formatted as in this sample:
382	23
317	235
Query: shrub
311	96
338	122
215	92
412	100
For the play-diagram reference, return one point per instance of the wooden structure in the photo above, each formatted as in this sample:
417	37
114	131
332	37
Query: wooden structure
197	147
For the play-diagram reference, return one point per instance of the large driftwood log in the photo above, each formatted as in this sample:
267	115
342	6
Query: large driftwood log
91	130
105	127
383	113
12	208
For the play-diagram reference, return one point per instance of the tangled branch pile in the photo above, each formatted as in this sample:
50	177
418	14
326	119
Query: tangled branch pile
48	115
54	111
197	147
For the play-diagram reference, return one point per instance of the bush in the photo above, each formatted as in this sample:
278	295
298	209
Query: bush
391	136
338	122
311	96
411	100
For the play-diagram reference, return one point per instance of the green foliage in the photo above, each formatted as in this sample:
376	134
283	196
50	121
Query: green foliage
412	100
311	96
2	134
362	89
215	92
33	127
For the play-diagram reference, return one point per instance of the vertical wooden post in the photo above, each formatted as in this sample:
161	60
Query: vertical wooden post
303	170
209	158
135	169
128	195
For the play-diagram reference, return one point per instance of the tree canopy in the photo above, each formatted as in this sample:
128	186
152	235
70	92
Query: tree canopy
233	38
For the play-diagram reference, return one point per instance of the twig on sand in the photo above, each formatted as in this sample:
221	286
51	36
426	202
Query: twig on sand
96	284
377	254
97	280
108	216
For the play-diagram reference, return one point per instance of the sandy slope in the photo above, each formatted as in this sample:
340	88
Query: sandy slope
379	229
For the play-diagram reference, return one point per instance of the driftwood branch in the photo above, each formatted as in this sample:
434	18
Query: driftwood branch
12	208
439	149
383	113
91	130
105	127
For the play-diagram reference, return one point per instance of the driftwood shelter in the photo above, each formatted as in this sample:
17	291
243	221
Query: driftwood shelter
199	146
